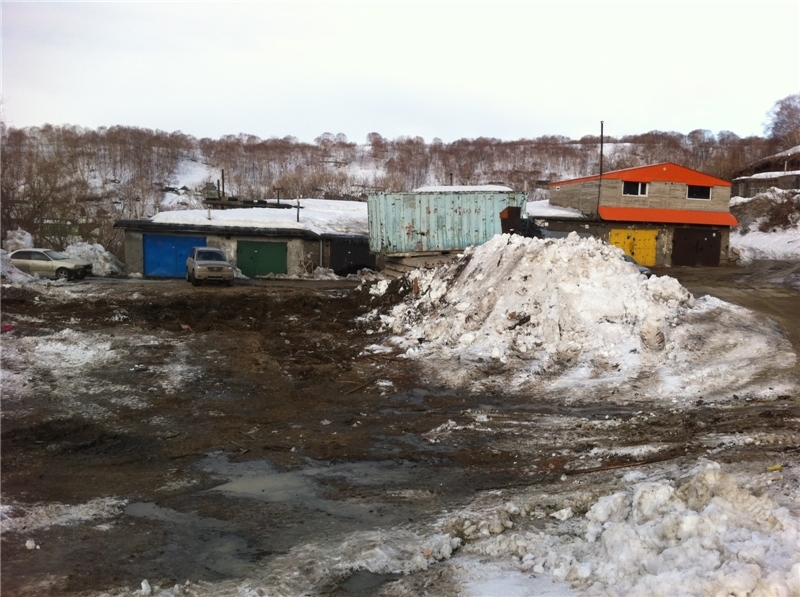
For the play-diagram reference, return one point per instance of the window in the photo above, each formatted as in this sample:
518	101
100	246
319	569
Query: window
638	189
697	192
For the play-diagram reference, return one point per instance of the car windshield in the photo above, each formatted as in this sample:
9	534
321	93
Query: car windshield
55	255
210	256
629	259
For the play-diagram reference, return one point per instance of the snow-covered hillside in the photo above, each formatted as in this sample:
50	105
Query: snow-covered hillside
769	225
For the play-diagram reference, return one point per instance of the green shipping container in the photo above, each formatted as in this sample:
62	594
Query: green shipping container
436	221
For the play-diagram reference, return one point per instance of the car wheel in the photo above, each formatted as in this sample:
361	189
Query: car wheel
63	273
194	281
230	282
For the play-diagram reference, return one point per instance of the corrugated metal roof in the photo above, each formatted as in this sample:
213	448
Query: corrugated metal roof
668	216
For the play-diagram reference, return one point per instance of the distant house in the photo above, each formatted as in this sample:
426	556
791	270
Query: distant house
661	214
781	170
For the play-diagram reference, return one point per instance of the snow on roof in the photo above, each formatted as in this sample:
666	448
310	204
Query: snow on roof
787	152
321	216
543	209
485	188
777	174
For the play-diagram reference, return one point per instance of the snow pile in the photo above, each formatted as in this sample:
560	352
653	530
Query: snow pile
104	264
519	312
10	272
769	225
708	537
17	239
37	517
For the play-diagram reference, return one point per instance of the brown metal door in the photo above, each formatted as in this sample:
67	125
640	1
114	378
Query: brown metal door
696	246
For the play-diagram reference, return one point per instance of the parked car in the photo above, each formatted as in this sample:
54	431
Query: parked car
50	264
206	263
642	269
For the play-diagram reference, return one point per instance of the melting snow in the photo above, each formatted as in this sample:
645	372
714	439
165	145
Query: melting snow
521	313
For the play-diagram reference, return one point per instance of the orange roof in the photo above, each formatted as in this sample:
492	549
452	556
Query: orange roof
669	216
663	172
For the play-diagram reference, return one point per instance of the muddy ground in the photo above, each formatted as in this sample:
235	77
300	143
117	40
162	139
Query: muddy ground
283	431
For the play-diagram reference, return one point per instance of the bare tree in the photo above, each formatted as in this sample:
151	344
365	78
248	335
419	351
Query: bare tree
784	122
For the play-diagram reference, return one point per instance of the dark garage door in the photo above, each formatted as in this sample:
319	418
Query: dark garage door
165	256
259	258
348	256
696	246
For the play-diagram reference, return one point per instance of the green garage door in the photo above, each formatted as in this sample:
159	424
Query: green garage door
260	258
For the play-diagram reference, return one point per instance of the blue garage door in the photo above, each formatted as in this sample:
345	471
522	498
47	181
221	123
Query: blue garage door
165	256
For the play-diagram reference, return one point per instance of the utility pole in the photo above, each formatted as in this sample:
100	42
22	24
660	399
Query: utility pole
600	180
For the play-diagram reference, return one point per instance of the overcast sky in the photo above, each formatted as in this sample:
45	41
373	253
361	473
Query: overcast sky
446	70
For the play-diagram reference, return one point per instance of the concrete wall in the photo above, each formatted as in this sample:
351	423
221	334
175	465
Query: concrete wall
582	196
660	195
134	252
664	239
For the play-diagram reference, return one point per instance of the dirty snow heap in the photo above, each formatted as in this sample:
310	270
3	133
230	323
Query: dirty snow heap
518	313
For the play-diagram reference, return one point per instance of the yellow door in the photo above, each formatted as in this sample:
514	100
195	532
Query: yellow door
639	244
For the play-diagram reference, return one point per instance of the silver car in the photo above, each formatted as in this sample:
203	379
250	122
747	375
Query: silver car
642	269
50	264
206	263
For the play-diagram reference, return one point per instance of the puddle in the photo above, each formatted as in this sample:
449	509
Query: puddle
168	515
312	487
196	544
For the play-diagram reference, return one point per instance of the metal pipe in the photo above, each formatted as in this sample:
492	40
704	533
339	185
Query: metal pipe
600	180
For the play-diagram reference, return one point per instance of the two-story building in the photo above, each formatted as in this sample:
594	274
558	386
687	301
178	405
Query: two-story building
661	214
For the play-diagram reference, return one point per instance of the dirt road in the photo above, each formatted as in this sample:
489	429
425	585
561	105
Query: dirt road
238	422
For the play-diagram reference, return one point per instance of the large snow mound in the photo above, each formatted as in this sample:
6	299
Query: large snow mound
517	312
